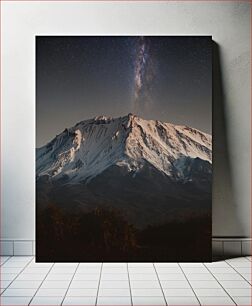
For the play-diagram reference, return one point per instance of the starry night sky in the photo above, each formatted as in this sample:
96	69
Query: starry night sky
168	78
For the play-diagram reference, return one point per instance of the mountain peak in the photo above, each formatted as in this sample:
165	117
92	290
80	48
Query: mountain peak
108	119
131	115
91	146
102	119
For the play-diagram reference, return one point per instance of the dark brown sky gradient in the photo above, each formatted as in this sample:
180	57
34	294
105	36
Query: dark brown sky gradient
78	78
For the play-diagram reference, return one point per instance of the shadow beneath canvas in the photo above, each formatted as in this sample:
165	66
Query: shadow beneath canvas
225	216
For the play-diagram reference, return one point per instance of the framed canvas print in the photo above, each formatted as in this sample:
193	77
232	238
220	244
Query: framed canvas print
124	148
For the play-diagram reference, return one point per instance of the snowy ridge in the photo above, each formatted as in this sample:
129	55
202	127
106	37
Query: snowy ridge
91	146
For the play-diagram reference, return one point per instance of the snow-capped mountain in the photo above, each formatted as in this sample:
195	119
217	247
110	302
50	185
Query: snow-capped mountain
147	170
86	150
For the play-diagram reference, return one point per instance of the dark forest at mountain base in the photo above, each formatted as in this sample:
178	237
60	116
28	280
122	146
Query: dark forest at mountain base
105	235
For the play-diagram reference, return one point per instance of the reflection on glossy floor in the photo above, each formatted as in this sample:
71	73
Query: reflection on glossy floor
24	282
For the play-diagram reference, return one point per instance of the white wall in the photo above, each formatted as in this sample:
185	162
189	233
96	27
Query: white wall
227	22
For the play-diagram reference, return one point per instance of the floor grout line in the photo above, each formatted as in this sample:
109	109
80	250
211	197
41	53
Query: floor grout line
16	277
70	283
9	257
189	284
220	284
96	300
247	259
100	273
41	283
160	283
131	299
236	271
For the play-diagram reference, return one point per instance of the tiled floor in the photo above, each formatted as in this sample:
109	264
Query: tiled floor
24	282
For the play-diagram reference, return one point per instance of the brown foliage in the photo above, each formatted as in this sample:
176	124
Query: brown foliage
104	235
